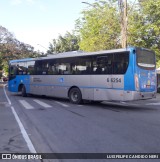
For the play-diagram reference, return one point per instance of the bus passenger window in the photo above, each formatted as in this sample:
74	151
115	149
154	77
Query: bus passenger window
73	69
99	69
44	71
88	70
20	70
109	68
13	70
30	67
30	70
60	72
125	66
50	72
54	69
67	69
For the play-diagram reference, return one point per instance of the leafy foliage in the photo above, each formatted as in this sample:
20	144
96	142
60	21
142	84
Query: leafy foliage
68	42
99	27
144	26
11	48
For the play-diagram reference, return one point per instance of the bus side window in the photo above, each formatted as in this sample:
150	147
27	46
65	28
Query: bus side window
38	71
125	66
88	70
99	69
120	68
54	69
13	70
60	71
30	67
44	71
73	69
44	67
116	68
30	70
19	70
109	68
67	69
50	70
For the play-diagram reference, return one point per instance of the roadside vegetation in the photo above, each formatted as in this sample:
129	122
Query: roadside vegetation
11	48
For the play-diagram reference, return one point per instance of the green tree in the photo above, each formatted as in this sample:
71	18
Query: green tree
144	26
11	48
99	26
68	42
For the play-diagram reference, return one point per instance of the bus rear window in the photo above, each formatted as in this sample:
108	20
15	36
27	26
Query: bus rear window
145	58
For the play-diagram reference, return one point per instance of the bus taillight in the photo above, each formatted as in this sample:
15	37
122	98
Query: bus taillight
136	82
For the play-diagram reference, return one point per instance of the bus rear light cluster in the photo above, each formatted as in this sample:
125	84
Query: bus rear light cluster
136	82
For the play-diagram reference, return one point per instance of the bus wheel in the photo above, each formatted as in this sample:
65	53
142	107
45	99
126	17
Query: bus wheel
75	96
24	94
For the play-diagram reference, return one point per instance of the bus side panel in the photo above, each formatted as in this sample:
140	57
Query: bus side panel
26	81
19	79
108	87
84	83
12	85
49	85
58	85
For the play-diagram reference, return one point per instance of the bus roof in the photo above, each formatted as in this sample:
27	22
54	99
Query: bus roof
72	54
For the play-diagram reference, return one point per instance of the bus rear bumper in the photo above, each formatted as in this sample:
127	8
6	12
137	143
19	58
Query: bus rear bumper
134	95
114	95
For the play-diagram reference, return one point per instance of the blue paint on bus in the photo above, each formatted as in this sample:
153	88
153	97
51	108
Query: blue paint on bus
129	76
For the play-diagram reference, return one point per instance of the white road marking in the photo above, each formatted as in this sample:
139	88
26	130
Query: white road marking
6	95
23	131
122	102
62	104
42	104
158	103
79	105
26	104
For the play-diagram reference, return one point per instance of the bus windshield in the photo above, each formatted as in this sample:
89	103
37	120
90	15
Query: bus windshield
145	58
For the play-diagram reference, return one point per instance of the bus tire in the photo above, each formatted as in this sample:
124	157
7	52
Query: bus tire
75	96
24	94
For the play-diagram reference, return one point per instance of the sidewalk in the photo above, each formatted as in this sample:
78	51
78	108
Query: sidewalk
158	96
11	140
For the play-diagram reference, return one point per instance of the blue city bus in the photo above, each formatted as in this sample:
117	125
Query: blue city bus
110	75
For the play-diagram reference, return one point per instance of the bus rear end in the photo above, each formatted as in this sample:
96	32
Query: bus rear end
145	74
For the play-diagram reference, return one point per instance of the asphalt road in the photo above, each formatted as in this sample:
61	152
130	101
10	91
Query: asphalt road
57	126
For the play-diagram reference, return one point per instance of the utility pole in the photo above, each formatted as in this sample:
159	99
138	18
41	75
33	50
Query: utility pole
124	24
